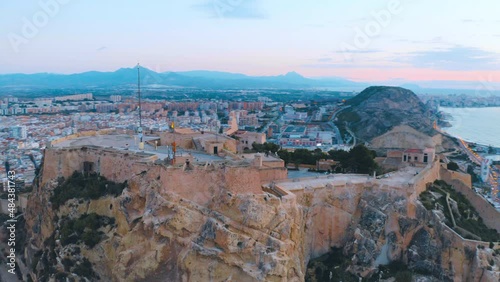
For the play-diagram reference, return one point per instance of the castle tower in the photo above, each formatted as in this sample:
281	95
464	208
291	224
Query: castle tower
257	161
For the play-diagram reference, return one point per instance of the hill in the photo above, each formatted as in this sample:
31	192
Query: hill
378	109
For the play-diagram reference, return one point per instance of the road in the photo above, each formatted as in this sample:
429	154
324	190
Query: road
338	136
353	136
471	154
265	127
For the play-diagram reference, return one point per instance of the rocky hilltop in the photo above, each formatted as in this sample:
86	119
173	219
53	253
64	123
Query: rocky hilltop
144	221
378	109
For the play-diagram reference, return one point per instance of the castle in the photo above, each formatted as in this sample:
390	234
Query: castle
229	216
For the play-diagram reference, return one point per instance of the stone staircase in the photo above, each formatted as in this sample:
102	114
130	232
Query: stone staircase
197	145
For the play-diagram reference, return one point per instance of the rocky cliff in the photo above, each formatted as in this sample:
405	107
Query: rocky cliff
148	233
159	236
378	109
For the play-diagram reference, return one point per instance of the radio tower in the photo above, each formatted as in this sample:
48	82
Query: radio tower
139	130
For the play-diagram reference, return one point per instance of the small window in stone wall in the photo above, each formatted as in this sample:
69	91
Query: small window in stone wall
88	167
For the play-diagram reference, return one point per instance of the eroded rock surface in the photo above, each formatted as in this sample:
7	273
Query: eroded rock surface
157	235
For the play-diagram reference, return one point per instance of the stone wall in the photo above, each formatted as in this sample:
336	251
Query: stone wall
490	216
276	163
450	175
218	218
268	174
181	140
112	164
462	183
186	140
120	166
418	184
199	184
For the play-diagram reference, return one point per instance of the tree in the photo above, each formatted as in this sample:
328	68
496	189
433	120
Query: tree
452	166
491	150
338	155
358	160
474	177
271	147
285	156
304	156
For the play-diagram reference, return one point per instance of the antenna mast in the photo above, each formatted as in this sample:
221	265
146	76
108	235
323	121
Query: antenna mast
139	93
139	130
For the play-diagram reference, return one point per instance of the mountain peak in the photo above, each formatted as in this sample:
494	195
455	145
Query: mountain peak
293	74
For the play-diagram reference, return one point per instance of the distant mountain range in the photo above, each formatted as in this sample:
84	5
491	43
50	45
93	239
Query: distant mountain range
127	77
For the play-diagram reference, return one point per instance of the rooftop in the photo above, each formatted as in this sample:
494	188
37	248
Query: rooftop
130	143
399	178
418	151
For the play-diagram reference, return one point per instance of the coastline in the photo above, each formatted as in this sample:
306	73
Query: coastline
471	124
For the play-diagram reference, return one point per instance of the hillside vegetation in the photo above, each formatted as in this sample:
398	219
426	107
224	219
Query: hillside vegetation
377	109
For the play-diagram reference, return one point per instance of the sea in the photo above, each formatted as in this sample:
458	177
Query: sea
477	125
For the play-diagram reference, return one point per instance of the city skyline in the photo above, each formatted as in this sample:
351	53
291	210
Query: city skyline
369	41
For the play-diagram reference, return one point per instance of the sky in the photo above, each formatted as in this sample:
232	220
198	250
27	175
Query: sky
361	40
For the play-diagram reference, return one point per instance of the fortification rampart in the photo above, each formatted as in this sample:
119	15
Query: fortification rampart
196	182
490	216
450	175
419	182
112	164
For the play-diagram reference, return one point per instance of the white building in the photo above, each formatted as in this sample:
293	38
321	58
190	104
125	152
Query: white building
18	132
76	97
115	98
485	169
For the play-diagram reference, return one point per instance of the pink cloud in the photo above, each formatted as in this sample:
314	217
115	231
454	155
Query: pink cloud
410	74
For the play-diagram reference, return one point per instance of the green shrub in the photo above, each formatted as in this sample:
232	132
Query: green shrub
84	269
89	186
68	263
467	211
403	276
61	276
452	166
84	229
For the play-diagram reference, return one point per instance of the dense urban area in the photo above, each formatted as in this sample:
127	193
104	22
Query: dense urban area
318	137
290	119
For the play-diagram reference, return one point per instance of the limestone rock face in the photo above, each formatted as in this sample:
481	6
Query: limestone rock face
159	235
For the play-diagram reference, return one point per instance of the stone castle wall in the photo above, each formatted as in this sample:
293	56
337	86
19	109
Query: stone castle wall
490	216
293	228
450	175
201	185
197	183
418	184
112	164
181	140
